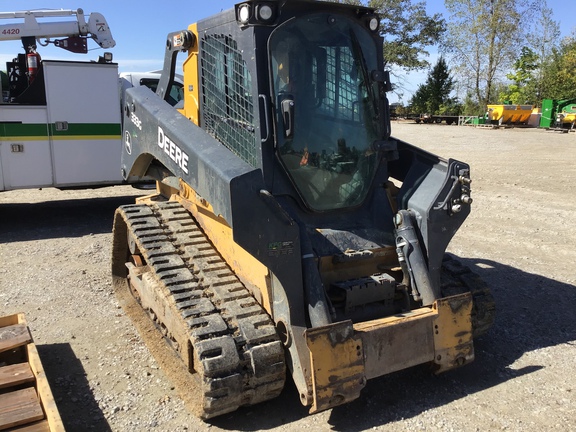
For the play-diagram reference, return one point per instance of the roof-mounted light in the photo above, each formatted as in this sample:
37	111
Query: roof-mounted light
244	13
264	12
106	58
256	13
373	23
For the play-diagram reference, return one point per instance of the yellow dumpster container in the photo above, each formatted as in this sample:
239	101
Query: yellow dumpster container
509	114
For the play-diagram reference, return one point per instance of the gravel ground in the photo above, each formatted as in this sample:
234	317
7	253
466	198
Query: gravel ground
520	237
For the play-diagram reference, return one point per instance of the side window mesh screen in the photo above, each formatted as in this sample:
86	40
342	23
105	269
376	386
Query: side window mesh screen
227	97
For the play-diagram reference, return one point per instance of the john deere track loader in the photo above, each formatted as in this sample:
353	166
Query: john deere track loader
290	233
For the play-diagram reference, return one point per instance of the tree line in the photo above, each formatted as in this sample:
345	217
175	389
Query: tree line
491	51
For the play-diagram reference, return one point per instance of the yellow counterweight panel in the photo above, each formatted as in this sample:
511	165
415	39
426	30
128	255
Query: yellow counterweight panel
453	345
344	355
397	342
337	365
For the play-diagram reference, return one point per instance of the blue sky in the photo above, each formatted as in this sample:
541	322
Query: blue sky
140	29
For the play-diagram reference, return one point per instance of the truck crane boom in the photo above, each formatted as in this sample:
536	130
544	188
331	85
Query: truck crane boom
76	32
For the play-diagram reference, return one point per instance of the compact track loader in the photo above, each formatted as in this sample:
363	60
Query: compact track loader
290	232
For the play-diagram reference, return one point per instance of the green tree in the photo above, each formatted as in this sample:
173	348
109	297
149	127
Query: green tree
402	111
541	56
543	38
483	38
441	86
471	106
433	97
407	29
558	74
524	87
419	102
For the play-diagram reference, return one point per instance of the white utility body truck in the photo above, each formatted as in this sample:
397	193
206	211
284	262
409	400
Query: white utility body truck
59	120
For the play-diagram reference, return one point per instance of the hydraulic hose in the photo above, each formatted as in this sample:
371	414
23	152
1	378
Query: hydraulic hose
412	259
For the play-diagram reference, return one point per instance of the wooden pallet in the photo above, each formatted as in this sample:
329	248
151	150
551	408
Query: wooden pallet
26	401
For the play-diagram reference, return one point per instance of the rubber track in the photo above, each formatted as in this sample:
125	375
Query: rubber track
235	348
457	279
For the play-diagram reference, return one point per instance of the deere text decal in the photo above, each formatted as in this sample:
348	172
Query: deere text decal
172	150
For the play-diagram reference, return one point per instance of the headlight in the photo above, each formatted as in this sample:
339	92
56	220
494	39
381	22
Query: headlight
265	13
256	13
373	23
244	13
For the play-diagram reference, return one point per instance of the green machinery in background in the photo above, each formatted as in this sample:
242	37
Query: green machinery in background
558	114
